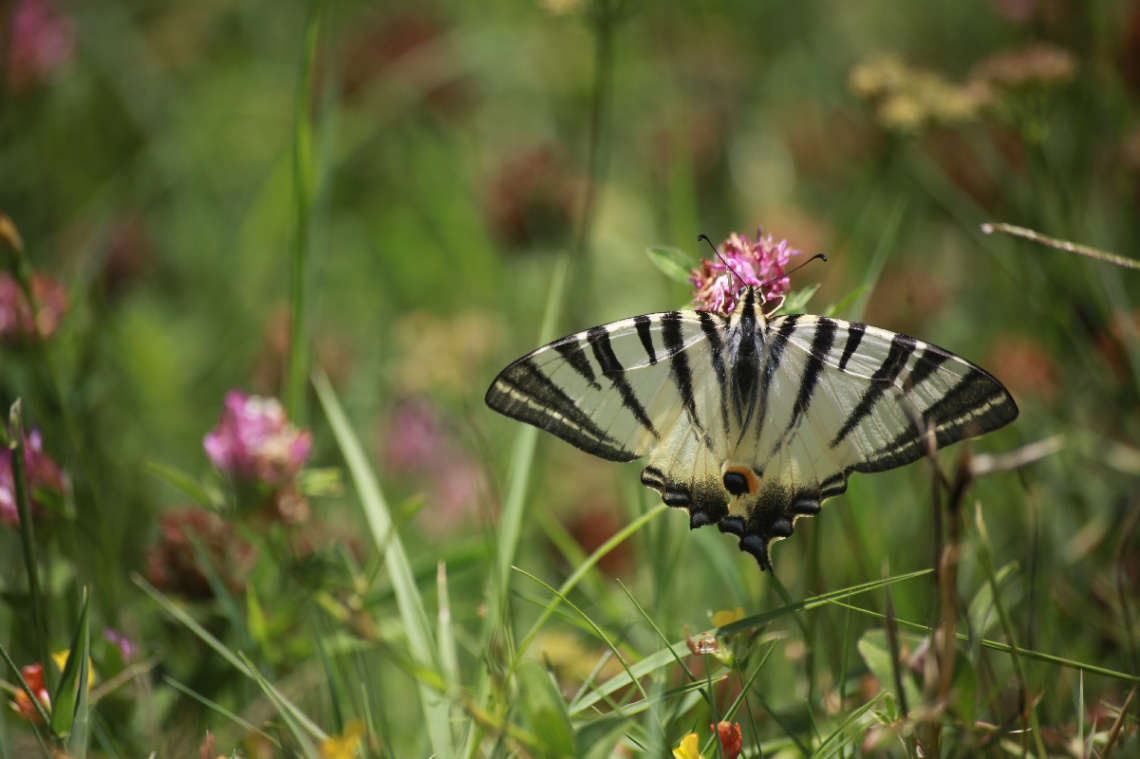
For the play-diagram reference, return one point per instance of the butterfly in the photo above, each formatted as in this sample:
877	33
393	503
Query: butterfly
750	421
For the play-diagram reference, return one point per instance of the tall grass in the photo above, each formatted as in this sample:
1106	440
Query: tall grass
465	185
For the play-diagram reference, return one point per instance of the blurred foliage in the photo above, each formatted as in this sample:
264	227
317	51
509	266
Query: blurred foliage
462	153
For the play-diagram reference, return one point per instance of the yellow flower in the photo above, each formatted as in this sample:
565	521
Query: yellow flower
689	748
60	659
346	746
722	618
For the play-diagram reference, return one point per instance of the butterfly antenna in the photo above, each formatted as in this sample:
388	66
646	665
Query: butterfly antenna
790	271
722	258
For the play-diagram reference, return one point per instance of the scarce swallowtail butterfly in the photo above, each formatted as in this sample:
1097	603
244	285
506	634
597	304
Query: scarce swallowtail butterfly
750	421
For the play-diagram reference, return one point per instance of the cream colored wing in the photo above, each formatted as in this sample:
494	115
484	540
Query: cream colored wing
652	384
844	397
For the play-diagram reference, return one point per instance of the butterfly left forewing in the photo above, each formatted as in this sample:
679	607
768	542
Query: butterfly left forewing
615	390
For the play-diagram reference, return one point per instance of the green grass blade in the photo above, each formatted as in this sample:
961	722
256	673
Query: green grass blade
182	482
510	521
1006	648
665	696
581	571
77	740
65	698
522	458
669	654
448	654
302	734
827	748
597	631
216	707
412	612
190	623
303	198
887	237
985	555
28	540
44	716
238	660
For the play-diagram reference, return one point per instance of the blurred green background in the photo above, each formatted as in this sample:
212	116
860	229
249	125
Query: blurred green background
462	153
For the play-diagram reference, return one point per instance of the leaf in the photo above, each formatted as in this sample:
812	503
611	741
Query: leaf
797	300
845	301
876	652
675	263
982	614
183	483
602	734
302	732
255	617
545	712
414	616
77	741
323	482
64	701
668	655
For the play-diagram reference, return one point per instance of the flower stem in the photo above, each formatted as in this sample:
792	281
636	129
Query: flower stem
303	197
27	538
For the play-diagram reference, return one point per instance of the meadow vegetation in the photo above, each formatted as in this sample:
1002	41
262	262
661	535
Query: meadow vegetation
259	263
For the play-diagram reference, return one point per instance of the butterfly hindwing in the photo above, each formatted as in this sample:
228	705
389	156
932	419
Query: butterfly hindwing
749	422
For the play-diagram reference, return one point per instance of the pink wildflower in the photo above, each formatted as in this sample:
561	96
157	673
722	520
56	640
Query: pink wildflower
753	262
16	315
42	473
255	443
173	562
532	202
414	439
42	42
418	445
127	647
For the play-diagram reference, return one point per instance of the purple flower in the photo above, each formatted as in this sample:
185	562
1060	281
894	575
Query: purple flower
419	446
125	645
42	42
254	442
16	321
42	474
413	438
753	262
192	535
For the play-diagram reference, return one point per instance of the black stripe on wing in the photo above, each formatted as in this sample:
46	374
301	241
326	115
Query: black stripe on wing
714	331
902	347
571	350
679	368
977	404
855	332
599	338
522	391
783	327
645	335
825	331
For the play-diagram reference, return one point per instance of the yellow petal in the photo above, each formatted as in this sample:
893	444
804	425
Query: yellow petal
60	659
345	746
722	618
689	749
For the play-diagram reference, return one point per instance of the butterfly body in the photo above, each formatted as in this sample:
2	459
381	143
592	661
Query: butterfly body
750	421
